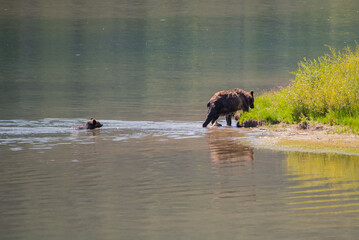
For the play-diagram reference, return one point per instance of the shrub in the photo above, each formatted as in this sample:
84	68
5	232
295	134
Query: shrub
324	90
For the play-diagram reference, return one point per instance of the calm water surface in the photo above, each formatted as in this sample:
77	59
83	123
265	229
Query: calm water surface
167	180
146	70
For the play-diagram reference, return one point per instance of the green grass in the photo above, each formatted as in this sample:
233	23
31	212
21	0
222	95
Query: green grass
324	90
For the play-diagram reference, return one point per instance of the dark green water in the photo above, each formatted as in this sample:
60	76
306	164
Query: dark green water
146	70
156	60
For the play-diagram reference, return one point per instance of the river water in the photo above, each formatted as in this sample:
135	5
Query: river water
145	70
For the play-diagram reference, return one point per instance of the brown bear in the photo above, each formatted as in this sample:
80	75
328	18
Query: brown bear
226	103
92	124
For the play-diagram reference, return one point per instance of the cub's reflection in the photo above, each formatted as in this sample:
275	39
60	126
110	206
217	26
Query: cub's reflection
89	133
226	149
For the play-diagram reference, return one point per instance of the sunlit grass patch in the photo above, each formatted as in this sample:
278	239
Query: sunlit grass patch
324	90
271	107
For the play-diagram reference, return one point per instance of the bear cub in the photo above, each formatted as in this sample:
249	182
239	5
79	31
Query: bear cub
91	124
227	103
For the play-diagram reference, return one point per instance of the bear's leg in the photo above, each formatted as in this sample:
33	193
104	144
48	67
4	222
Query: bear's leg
214	121
211	114
229	119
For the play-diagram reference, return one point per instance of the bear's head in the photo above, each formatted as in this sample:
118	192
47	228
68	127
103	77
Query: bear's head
251	99
93	123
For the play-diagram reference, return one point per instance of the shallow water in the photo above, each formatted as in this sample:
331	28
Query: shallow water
146	69
160	180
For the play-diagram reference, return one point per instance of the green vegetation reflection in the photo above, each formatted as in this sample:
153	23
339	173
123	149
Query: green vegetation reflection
323	182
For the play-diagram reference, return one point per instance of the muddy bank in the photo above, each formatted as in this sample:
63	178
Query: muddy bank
315	138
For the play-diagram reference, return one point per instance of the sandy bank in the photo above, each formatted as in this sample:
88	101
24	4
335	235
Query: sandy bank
317	138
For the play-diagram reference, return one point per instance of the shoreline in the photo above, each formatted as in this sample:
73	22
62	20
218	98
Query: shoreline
317	138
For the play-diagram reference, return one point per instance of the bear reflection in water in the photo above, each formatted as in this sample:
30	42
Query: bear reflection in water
226	151
233	166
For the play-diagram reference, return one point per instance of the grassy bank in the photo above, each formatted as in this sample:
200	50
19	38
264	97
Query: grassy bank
325	90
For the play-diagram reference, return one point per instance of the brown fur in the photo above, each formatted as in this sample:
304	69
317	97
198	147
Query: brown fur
226	103
91	124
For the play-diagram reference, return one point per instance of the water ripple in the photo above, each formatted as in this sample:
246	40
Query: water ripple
49	132
323	184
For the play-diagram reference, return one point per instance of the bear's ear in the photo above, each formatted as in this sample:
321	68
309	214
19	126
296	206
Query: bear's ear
252	93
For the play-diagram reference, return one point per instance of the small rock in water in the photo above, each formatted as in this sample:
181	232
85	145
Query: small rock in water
251	123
